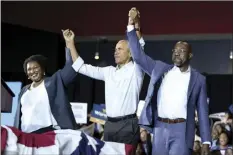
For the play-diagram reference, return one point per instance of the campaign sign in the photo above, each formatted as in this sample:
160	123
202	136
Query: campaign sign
98	114
80	112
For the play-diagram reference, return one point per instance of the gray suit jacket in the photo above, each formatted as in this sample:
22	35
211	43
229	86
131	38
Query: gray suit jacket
197	96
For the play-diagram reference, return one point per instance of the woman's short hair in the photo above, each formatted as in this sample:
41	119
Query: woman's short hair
40	59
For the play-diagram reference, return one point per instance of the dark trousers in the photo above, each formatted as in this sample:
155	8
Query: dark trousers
123	131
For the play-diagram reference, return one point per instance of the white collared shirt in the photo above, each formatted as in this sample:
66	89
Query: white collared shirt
122	86
173	93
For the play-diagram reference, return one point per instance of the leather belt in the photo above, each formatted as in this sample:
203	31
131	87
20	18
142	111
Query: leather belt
116	119
171	121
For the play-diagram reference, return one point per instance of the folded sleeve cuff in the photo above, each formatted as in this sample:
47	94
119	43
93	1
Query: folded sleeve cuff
142	42
130	28
77	64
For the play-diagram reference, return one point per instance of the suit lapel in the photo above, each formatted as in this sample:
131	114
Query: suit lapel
168	69
192	81
161	75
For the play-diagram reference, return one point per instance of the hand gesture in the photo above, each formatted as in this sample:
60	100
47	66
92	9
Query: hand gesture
68	35
134	16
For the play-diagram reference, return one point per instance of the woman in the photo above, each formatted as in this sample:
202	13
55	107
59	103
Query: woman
223	142
43	105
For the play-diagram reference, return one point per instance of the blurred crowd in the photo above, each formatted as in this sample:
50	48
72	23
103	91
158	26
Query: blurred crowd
221	129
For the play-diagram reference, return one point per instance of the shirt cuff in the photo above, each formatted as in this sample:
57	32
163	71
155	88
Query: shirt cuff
207	143
130	28
142	42
77	64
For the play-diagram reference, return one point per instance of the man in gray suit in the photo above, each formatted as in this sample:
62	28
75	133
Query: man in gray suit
178	90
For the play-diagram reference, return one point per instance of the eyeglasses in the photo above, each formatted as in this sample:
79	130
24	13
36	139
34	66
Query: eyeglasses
181	50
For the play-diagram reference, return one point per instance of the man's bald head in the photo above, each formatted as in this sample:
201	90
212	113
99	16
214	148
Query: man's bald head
122	53
124	42
186	44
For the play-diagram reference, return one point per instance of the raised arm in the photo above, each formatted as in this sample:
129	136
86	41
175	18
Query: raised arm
144	61
72	65
93	71
69	60
78	65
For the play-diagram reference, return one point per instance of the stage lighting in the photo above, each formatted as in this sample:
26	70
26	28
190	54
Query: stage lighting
97	56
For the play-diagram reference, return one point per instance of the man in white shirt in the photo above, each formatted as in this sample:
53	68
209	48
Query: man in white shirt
122	88
178	90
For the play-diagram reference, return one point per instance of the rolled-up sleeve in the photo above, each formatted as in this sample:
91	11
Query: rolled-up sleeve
78	64
89	70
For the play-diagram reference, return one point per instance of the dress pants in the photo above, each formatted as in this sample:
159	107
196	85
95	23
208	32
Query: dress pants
169	139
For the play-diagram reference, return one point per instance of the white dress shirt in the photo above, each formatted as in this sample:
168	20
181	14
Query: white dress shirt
122	86
173	93
36	111
172	96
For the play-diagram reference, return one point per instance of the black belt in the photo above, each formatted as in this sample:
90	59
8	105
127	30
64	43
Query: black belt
171	121
116	119
43	130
